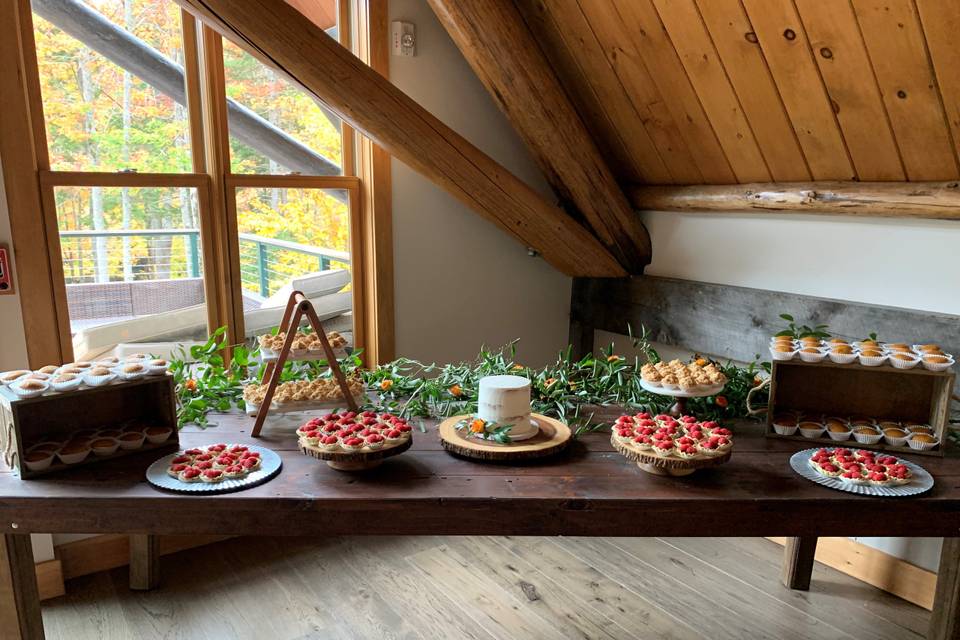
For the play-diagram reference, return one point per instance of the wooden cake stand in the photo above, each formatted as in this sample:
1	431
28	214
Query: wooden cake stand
672	466
356	460
553	437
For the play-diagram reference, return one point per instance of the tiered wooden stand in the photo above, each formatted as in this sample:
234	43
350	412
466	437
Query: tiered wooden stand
883	392
356	461
673	466
298	307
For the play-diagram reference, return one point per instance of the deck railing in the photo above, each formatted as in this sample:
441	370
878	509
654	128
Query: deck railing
265	263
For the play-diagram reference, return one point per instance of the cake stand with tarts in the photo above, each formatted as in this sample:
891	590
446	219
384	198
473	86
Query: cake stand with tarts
665	446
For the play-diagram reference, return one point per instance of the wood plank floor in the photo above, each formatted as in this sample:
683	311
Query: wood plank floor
506	588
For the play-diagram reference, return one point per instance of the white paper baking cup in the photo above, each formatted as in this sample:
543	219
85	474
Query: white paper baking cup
158	439
871	361
11	382
30	393
107	451
130	445
156	370
916	445
782	355
812	433
131	376
843	358
785	430
903	364
98	381
868	438
67	386
938	366
858	344
841	436
40	465
812	357
895	441
73	458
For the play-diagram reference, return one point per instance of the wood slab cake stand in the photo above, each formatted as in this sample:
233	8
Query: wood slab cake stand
299	306
553	437
672	466
358	460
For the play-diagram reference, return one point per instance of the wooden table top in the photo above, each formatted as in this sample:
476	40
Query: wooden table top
588	490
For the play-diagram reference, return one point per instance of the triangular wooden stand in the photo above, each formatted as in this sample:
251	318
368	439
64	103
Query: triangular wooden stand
298	306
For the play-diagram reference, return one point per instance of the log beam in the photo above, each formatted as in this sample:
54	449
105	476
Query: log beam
937	200
275	32
503	52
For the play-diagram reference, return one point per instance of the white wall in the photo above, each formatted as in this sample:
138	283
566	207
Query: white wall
902	263
460	281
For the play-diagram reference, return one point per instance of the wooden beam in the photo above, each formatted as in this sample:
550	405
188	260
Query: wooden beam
945	618
503	52
936	200
275	32
19	599
798	556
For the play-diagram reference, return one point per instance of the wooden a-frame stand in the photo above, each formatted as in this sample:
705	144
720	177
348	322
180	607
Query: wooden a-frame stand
298	306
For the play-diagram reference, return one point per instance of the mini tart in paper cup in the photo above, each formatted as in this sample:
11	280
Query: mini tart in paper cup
872	357
867	435
72	453
922	441
9	377
838	357
812	354
839	432
937	361
810	341
902	360
157	435
38	460
652	383
98	376
29	388
782	353
156	367
784	428
812	430
916	427
132	370
104	446
130	440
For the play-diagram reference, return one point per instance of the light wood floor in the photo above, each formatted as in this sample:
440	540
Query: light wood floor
507	588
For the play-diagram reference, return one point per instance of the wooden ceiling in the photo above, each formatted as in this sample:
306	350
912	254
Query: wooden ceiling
738	91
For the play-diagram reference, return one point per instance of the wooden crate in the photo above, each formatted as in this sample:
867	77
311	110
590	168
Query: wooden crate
884	393
25	422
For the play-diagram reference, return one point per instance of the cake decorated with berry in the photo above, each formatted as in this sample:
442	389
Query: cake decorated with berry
672	442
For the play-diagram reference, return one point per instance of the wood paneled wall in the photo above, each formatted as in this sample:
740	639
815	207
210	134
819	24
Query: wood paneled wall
736	91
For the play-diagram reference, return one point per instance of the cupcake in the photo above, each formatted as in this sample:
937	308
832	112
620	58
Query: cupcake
157	366
895	436
38	459
26	388
902	360
812	354
212	476
238	450
157	435
203	465
66	381
782	351
937	361
922	441
49	370
814	430
867	435
872	357
74	452
842	354
132	370
96	376
216	449
643	443
709	447
919	427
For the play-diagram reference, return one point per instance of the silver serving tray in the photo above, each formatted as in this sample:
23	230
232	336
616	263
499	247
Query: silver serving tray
922	481
269	467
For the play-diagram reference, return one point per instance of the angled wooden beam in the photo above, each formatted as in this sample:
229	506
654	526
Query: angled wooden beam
275	32
937	200
503	52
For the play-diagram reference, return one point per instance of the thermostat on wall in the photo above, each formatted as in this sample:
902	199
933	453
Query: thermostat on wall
403	38
6	278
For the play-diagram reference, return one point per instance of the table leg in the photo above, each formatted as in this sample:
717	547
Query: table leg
945	617
144	561
798	554
19	600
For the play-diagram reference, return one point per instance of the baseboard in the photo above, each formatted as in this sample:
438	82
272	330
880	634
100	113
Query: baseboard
877	568
49	579
101	553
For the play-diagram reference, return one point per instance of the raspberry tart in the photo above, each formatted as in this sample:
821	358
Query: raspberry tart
671	445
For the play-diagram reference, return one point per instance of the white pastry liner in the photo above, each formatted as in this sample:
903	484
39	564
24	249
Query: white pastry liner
10	382
813	433
839	436
903	364
920	483
843	358
29	393
787	430
938	366
98	381
270	465
863	438
871	361
782	355
916	445
819	356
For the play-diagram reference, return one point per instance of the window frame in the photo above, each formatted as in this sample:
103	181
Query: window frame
32	184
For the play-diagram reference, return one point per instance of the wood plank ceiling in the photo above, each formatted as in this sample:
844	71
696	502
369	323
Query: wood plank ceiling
738	91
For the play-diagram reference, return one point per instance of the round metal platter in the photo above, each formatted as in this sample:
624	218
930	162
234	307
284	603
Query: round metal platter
700	392
922	481
269	467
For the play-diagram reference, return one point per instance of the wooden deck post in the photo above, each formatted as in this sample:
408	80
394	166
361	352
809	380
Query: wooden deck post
19	599
144	561
798	556
944	619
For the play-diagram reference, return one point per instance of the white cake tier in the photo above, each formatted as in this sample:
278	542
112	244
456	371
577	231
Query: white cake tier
506	400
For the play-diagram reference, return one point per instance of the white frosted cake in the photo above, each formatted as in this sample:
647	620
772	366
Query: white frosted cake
506	400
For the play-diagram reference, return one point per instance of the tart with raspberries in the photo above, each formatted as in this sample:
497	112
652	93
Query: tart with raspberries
861	468
669	445
213	464
354	441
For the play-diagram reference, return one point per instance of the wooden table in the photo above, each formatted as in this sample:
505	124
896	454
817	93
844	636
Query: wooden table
590	490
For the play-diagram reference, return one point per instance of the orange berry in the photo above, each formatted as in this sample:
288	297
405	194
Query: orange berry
386	385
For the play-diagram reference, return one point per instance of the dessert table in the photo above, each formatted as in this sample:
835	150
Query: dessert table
588	490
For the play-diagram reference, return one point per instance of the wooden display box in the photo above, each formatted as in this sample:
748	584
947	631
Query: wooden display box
25	422
883	393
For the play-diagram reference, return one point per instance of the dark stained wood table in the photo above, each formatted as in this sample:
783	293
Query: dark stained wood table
590	490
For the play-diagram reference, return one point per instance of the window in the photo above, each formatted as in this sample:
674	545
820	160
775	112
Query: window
123	172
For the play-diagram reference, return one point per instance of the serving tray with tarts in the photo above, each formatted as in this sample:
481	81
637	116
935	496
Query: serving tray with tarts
664	445
187	471
351	441
896	477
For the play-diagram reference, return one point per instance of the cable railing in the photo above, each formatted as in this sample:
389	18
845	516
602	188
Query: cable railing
130	255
